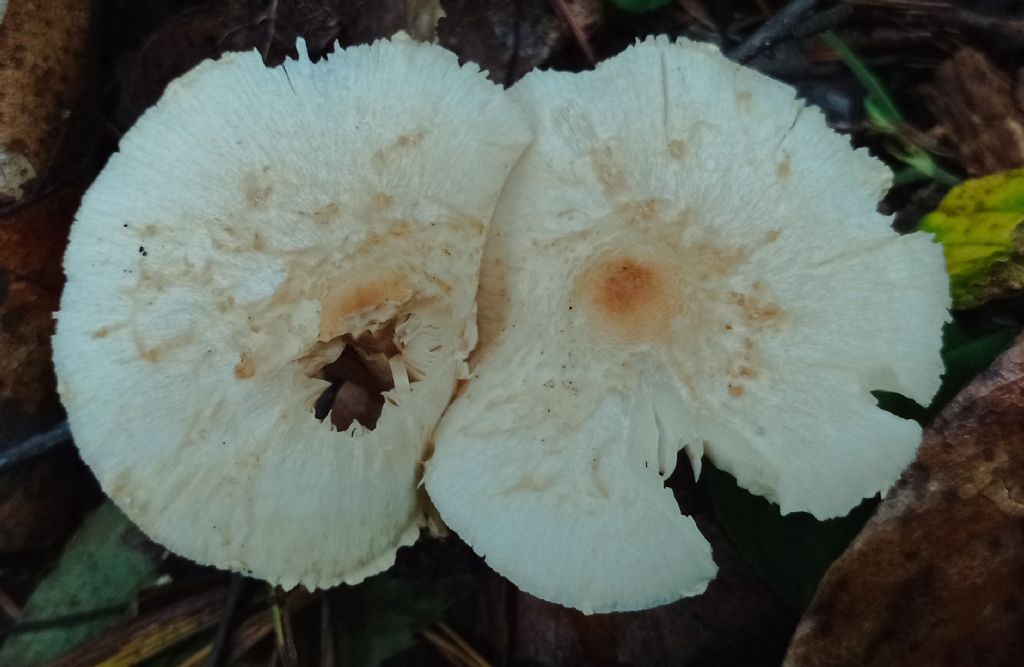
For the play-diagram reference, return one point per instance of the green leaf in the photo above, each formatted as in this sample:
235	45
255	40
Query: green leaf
980	224
965	357
791	552
640	6
886	118
103	567
381	617
880	106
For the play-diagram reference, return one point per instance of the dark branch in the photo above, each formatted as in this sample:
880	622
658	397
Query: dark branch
778	27
36	446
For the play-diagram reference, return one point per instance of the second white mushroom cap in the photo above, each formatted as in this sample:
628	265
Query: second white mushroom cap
687	258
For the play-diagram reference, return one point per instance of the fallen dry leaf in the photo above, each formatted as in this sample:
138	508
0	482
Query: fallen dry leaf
937	575
980	120
38	505
272	27
45	48
508	39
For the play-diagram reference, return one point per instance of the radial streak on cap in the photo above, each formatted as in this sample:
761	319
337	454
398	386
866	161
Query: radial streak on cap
270	242
686	257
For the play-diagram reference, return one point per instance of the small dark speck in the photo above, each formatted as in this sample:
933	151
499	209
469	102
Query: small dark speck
142	251
125	225
570	307
223	443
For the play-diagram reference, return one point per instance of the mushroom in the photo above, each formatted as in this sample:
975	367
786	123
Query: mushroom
686	259
270	299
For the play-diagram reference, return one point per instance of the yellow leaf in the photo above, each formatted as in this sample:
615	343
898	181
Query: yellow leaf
980	224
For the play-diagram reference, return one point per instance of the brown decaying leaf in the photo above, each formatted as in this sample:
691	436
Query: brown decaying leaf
268	26
44	56
509	38
38	506
937	576
980	120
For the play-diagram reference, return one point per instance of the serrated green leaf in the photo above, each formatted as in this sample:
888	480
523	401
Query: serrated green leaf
640	6
104	566
381	617
980	224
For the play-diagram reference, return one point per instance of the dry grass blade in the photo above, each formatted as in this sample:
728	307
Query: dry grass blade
447	649
577	32
284	639
257	627
150	634
464	645
454	648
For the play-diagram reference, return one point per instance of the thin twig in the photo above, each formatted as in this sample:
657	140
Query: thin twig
577	32
232	609
776	28
63	621
814	25
254	629
37	445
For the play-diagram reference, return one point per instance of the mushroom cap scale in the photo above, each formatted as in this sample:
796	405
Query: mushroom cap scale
255	224
687	258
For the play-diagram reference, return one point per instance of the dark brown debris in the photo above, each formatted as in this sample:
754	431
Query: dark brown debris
980	115
508	38
937	576
38	506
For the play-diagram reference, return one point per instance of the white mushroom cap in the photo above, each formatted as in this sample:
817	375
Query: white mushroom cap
254	223
686	257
